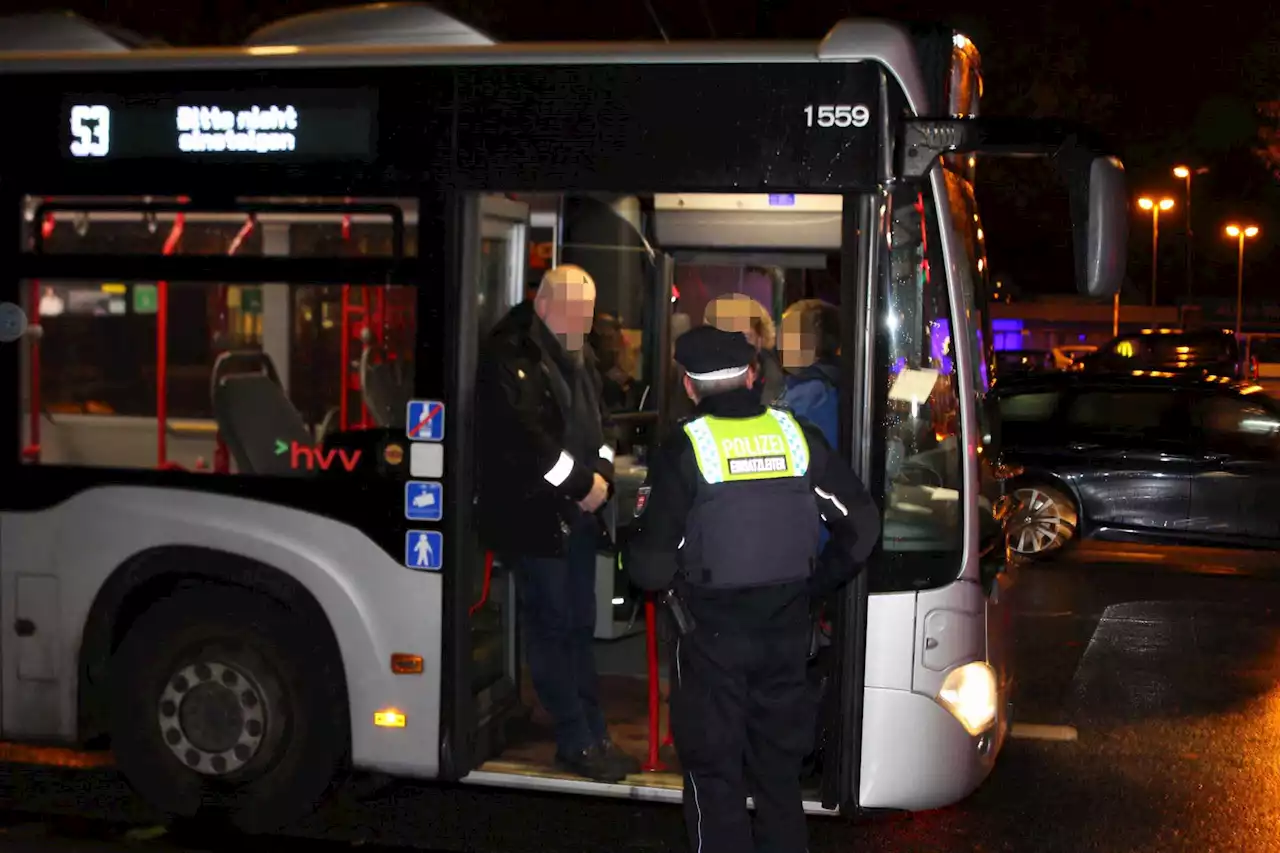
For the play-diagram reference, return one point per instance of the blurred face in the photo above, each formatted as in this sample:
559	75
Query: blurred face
734	315
799	348
568	309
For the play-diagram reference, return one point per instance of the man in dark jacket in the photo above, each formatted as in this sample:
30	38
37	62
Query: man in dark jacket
545	468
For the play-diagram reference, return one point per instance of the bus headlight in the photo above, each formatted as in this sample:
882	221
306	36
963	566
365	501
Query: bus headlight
969	693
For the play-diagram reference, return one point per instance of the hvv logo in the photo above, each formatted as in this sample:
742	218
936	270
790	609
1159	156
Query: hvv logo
310	458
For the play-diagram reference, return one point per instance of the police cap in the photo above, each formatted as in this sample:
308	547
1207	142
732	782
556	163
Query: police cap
707	353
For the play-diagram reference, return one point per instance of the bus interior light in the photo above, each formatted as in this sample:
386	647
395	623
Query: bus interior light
969	693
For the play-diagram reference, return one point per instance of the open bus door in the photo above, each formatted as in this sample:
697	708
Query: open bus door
482	674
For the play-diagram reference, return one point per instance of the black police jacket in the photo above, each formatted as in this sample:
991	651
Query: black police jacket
520	429
652	555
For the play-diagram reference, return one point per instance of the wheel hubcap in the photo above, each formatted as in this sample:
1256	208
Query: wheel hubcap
1040	522
212	717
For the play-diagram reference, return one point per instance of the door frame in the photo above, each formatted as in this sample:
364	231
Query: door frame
842	710
472	726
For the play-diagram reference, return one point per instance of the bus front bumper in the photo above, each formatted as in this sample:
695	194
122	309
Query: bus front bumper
916	755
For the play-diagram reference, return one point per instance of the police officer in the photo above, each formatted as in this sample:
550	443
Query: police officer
728	526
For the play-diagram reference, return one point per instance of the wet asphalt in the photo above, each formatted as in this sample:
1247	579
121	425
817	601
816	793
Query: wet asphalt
1165	664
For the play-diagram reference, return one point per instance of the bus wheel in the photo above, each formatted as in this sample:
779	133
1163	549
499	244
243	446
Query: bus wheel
1044	521
228	708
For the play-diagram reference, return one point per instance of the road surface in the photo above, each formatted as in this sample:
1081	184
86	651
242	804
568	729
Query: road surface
1148	692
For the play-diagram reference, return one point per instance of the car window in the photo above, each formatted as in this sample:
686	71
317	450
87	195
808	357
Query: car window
1138	415
1033	407
1238	426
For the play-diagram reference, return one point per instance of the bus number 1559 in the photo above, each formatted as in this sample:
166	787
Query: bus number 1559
837	116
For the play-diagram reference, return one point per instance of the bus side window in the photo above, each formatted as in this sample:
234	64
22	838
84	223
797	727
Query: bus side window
98	400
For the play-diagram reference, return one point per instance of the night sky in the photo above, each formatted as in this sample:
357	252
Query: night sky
1169	83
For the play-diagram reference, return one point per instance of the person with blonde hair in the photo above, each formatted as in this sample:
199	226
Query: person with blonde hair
737	312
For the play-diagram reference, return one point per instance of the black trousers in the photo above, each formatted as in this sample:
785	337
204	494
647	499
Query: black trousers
743	716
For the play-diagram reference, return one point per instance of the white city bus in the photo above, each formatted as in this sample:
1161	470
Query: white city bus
239	333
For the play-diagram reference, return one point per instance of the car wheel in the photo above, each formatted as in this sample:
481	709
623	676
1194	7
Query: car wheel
229	709
1043	521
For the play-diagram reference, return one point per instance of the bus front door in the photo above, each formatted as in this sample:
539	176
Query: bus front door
482	638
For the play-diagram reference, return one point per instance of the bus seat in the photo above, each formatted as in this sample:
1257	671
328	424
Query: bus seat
387	388
255	417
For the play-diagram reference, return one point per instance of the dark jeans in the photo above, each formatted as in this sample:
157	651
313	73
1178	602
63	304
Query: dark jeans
558	611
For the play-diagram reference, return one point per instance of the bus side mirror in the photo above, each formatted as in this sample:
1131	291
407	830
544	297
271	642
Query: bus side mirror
1099	221
1094	179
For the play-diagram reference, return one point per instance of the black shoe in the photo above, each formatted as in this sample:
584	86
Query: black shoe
614	754
591	763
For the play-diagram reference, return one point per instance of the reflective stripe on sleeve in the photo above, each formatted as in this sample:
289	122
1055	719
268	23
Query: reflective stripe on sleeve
606	453
834	500
560	471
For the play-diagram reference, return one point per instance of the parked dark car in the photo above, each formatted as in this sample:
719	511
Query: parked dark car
1173	459
1207	351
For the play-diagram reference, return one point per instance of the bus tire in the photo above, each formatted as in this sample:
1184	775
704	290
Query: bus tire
228	709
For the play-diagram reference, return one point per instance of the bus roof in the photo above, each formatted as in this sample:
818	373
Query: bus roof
857	40
372	23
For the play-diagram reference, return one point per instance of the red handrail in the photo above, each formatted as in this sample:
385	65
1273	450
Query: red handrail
162	347
31	452
368	299
484	590
243	234
344	356
344	344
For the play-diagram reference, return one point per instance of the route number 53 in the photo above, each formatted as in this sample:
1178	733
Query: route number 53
837	116
90	131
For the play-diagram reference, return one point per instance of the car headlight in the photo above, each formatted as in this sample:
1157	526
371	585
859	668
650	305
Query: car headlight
969	693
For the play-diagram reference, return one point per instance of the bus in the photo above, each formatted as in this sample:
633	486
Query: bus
239	326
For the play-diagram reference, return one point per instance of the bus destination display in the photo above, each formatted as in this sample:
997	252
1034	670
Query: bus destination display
271	125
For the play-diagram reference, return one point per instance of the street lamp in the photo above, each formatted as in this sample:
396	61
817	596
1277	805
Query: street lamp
1155	207
1240	234
1186	173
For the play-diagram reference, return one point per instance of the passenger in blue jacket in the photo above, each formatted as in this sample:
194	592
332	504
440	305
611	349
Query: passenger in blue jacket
810	347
